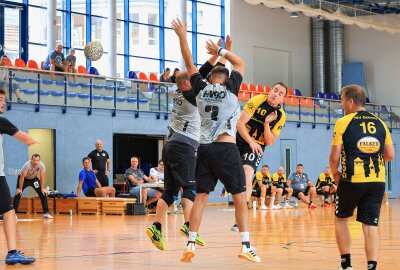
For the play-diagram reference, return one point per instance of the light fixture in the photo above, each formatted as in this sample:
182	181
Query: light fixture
294	15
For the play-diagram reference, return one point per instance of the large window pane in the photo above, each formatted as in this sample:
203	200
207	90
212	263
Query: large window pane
215	2
209	19
78	27
172	51
80	58
144	65
11	32
171	10
120	66
100	7
120	37
202	54
78	6
37	25
37	53
143	40
100	31
60	29
144	9
120	9
102	65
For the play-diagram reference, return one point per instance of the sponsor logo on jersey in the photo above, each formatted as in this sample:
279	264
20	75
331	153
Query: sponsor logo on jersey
368	145
212	94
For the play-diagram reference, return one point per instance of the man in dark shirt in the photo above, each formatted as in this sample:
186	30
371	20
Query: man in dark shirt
6	209
101	163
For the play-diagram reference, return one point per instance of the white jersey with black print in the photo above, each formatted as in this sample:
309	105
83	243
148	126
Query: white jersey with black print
218	106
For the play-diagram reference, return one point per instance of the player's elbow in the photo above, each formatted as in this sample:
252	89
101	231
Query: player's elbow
388	155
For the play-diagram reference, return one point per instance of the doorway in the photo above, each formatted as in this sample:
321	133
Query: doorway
46	150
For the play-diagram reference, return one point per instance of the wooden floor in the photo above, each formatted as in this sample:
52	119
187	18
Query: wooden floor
286	239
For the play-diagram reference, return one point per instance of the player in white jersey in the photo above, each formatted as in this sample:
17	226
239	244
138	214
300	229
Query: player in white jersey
217	156
6	209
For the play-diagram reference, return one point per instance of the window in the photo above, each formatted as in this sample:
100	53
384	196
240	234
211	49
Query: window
144	65
78	31
37	53
153	33
209	19
100	7
78	6
133	34
202	54
144	8
37	25
120	37
100	31
172	50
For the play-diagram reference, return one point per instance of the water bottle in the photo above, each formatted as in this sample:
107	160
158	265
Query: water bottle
70	213
254	205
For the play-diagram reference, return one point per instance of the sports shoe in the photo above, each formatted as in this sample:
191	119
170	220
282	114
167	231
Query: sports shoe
189	253
18	257
47	215
296	204
326	204
264	207
235	228
155	236
249	254
276	207
184	231
287	206
348	268
312	206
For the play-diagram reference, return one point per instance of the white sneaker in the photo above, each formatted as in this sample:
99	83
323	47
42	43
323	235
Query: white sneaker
287	206
235	228
249	254
276	207
47	215
189	253
264	207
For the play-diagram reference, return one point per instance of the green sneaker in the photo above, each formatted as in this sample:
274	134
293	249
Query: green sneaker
156	237
184	231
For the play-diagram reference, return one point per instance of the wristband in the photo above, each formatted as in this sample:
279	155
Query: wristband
222	52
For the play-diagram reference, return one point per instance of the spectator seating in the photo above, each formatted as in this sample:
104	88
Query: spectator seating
143	76
82	70
32	64
93	71
132	75
153	77
19	63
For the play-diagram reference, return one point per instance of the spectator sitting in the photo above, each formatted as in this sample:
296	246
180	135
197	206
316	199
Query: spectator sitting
71	62
165	76
173	77
280	182
89	183
326	186
157	173
302	186
4	80
135	178
55	61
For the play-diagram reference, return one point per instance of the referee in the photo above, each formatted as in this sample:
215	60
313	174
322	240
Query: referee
364	144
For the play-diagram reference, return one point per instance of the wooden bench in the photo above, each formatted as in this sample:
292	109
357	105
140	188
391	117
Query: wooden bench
89	205
386	197
26	205
64	205
37	205
116	206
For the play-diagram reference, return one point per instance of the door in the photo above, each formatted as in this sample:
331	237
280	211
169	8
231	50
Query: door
46	150
10	30
288	155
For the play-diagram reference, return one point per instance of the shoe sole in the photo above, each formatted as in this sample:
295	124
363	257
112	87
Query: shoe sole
157	244
187	236
187	257
244	257
14	263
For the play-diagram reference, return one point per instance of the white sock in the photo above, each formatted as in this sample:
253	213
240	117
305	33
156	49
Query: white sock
262	201
245	236
271	202
192	236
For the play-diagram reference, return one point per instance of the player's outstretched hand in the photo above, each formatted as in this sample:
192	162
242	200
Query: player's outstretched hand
228	43
179	28
211	47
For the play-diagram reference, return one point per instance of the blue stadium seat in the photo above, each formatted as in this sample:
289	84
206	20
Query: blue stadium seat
297	92
93	71
321	95
131	75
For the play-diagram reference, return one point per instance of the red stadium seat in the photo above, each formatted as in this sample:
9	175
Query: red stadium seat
82	70
252	88
152	77
143	76
267	89
260	89
244	96
8	62
19	63
243	86
290	92
32	64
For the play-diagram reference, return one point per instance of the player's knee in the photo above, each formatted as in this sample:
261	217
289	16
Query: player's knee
169	198
189	193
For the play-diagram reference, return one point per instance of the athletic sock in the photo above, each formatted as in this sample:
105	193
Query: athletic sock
372	265
192	236
346	260
12	251
271	202
326	195
158	225
245	236
262	201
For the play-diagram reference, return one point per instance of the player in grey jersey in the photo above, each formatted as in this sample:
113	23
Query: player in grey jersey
217	156
179	156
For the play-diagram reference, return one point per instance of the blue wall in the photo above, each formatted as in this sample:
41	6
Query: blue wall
76	133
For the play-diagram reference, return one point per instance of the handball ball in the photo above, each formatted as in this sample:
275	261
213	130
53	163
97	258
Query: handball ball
93	51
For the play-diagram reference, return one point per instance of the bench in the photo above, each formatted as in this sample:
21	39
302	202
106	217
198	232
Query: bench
37	205
89	205
26	205
116	206
64	205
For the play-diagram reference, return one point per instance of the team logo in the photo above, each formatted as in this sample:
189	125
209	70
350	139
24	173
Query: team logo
250	105
104	154
368	145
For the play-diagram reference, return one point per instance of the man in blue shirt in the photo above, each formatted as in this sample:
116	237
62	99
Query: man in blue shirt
89	183
55	61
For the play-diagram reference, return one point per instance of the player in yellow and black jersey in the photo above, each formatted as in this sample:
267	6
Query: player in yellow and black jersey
261	185
326	186
364	143
259	125
280	182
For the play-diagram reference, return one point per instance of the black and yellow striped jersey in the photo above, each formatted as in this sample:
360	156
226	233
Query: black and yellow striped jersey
363	137
260	177
324	178
279	180
259	109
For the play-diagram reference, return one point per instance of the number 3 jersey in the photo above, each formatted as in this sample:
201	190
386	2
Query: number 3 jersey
218	106
258	108
363	137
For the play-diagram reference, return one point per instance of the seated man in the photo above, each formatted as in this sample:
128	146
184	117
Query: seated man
136	177
326	186
157	173
55	61
4	81
262	187
280	182
302	186
89	183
